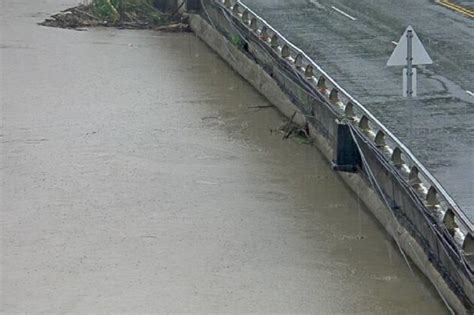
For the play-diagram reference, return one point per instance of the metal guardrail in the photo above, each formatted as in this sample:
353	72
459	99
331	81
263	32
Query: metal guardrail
435	197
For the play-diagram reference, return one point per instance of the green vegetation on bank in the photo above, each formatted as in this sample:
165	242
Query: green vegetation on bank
162	15
116	11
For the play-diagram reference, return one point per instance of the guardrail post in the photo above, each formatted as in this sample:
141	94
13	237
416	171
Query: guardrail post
285	51
380	139
413	178
322	84
349	111
334	95
397	157
274	42
449	221
264	34
364	123
309	72
245	17
299	61
236	9
254	24
432	198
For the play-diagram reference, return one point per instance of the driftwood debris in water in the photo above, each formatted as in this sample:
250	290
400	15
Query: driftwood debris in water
84	16
260	106
178	27
76	17
299	134
287	130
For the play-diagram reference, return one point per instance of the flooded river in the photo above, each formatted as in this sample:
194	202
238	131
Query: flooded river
135	178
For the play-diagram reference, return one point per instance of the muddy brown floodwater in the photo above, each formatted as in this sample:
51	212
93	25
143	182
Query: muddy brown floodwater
134	178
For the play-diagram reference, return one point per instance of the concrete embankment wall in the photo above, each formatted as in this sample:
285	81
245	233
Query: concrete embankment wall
270	68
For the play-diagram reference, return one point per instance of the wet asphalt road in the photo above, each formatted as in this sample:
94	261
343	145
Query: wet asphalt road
355	53
135	179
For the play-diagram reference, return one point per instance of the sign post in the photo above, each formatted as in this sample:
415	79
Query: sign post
409	63
408	53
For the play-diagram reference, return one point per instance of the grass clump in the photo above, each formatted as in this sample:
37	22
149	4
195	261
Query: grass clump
123	11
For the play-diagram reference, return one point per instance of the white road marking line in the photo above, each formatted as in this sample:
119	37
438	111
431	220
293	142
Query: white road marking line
470	93
343	13
395	43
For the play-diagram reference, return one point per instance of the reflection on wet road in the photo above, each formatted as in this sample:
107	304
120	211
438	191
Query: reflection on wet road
136	179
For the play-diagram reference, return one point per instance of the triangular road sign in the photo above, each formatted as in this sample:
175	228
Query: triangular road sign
419	54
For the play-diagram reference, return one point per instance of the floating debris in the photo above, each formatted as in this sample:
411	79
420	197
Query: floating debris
126	14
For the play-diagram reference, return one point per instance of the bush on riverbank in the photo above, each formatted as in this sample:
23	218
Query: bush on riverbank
119	13
116	11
